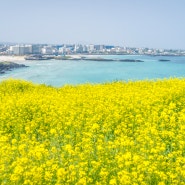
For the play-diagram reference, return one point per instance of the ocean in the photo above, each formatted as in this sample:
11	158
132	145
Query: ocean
61	72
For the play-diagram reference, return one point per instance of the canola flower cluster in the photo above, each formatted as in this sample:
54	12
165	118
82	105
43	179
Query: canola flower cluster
114	133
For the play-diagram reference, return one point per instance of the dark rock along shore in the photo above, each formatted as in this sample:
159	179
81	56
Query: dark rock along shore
8	66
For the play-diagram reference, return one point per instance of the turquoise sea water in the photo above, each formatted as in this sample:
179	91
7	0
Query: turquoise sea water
59	72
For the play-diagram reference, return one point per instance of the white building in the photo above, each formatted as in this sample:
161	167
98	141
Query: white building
91	48
47	50
78	48
21	49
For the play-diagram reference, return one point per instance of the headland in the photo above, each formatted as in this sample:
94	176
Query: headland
8	66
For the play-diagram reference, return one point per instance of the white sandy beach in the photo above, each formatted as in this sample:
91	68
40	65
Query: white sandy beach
20	59
11	58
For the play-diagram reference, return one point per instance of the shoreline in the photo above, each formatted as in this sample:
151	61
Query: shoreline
10	58
23	59
4	58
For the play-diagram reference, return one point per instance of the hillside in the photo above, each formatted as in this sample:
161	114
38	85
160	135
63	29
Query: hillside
112	133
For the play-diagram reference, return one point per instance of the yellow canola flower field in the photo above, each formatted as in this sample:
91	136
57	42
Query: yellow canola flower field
113	133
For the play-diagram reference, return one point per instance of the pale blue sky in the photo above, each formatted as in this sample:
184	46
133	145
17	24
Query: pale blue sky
133	23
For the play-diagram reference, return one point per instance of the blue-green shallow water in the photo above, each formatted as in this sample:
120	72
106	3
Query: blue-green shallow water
59	72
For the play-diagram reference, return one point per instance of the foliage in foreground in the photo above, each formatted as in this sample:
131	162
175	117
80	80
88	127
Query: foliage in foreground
114	133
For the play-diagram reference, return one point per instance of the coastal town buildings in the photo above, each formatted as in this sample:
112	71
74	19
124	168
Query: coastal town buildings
21	49
47	50
66	49
36	49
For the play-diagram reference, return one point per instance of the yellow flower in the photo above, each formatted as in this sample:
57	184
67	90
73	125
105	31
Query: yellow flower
112	133
113	182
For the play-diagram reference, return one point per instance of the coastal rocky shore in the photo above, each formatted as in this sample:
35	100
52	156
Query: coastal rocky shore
20	59
8	66
99	59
